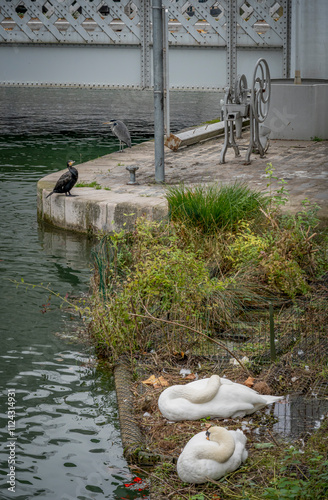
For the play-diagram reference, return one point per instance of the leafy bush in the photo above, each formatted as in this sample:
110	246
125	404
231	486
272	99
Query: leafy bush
247	247
285	275
293	484
163	279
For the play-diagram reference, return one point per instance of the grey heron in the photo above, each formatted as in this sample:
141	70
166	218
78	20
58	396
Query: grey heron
121	131
66	181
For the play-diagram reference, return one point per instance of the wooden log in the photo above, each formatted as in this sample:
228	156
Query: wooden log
197	134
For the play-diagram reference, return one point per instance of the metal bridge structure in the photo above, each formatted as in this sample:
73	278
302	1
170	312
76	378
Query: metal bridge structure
109	43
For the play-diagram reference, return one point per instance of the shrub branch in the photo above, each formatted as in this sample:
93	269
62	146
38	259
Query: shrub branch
176	323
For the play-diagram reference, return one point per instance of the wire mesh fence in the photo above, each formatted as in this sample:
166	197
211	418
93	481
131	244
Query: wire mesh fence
282	343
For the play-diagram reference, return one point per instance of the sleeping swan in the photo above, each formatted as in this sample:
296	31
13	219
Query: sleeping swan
211	455
211	397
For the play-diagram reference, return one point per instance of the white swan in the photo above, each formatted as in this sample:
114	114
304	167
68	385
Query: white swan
211	455
211	397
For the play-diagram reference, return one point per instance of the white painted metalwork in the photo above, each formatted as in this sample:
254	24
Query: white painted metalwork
145	39
239	26
192	22
70	21
231	42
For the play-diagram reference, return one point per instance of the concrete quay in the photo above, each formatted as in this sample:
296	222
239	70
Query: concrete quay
114	204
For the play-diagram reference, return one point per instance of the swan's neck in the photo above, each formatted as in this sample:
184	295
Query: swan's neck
220	447
205	395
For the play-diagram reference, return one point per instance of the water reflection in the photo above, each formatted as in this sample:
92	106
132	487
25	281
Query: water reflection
66	421
63	249
68	439
83	111
298	416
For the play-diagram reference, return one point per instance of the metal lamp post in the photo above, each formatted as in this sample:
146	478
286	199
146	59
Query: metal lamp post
158	90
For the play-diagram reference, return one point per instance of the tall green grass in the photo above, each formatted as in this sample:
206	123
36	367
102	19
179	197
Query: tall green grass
212	208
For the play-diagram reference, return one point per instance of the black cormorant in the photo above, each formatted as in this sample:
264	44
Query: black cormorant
66	181
121	131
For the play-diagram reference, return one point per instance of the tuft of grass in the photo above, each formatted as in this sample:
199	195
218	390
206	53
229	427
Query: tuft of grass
213	208
93	184
210	122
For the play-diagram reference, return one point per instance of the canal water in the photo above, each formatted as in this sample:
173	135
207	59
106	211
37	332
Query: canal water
59	431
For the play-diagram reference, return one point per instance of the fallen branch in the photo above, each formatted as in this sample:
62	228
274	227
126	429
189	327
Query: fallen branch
149	315
273	438
268	216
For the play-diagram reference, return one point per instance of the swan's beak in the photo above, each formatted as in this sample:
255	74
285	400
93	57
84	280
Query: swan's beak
207	434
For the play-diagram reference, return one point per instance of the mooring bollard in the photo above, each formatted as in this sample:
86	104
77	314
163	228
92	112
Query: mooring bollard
132	169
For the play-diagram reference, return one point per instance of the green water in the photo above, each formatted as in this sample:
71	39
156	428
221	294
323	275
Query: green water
67	442
66	424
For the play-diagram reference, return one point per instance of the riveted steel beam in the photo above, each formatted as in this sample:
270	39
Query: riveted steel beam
231	42
145	33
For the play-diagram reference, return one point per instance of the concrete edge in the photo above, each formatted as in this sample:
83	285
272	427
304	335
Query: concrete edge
93	210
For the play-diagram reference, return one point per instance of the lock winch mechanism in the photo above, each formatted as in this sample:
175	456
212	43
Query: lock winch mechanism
241	103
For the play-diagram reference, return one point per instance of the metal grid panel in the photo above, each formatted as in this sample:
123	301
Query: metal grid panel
196	23
191	22
70	21
226	24
260	24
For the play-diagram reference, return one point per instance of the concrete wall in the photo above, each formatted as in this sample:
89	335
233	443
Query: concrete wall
298	111
95	210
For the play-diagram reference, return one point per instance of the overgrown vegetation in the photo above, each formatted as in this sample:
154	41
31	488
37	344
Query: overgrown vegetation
181	289
223	251
274	471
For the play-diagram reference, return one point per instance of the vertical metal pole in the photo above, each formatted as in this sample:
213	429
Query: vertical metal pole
287	40
158	90
166	71
297	78
272	343
231	42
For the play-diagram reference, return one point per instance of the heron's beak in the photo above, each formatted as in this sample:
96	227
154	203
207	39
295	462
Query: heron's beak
106	123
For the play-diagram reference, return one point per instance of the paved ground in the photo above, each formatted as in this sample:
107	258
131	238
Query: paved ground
303	164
